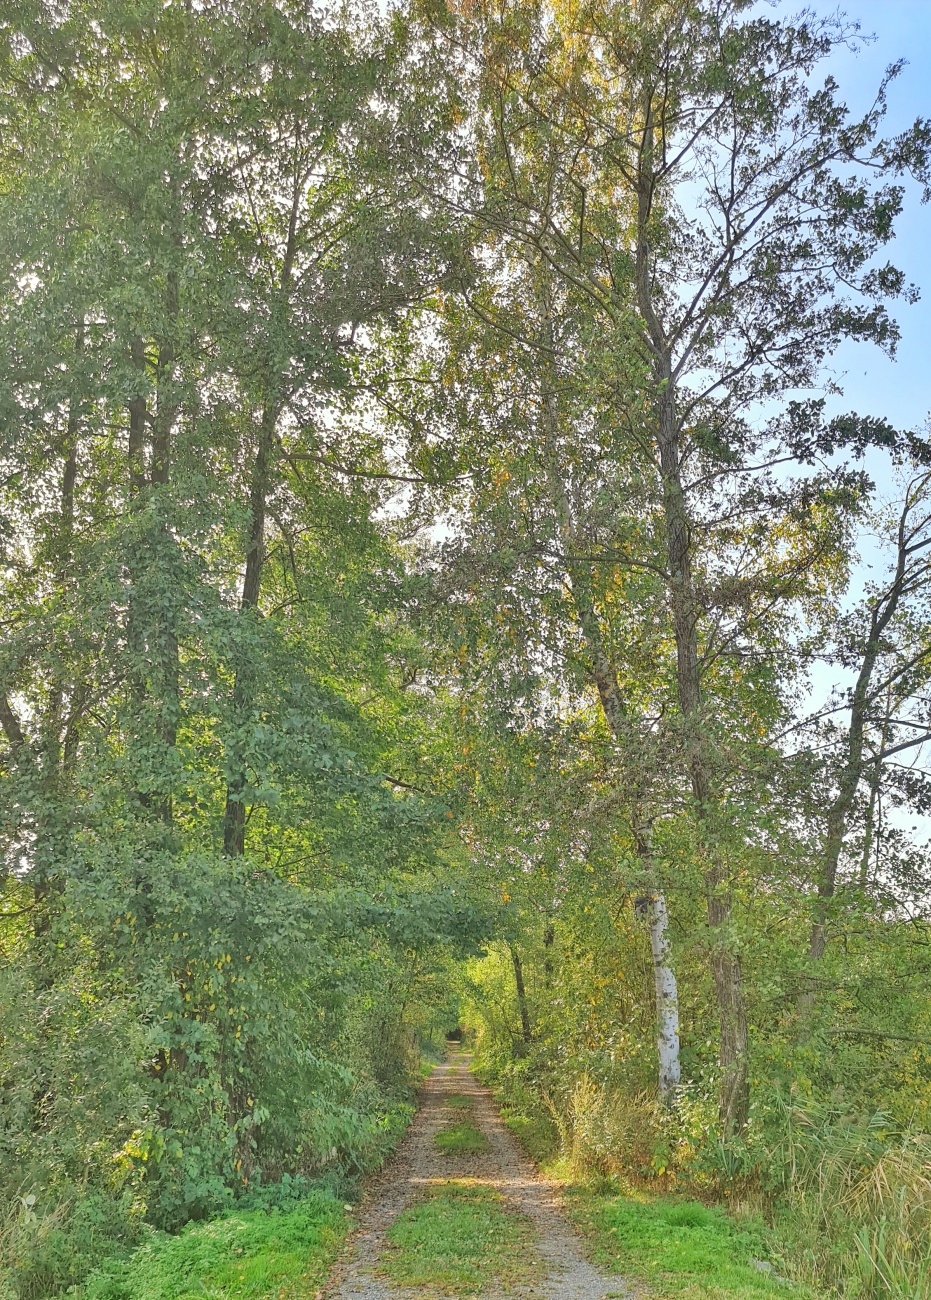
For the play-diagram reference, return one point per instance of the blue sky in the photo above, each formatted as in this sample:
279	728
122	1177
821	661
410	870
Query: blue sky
900	390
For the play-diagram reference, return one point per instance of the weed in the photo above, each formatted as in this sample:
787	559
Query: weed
858	1199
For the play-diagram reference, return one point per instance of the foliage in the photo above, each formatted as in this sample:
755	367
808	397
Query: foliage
421	524
537	1134
227	916
258	1253
845	1194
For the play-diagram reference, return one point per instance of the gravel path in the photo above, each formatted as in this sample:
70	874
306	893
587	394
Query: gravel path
505	1167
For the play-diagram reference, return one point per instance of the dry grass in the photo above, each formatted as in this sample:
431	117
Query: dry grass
866	1190
605	1132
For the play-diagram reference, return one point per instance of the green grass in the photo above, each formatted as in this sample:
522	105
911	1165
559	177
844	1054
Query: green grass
680	1248
282	1253
460	1240
461	1139
458	1101
536	1133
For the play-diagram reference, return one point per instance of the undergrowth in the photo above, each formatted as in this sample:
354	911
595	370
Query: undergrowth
537	1134
258	1253
845	1199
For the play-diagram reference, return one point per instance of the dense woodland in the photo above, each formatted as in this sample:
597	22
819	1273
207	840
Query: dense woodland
427	531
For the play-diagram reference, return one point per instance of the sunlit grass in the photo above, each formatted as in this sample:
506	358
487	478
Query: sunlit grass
285	1254
680	1248
462	1138
460	1240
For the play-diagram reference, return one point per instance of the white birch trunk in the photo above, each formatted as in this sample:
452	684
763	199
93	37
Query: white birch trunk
667	1000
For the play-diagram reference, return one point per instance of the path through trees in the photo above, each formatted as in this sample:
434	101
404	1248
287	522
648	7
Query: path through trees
558	1269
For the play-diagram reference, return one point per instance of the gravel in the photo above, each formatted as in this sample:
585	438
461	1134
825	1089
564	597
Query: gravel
566	1273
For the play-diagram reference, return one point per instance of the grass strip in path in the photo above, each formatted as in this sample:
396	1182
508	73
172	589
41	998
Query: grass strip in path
459	1101
281	1253
461	1139
680	1248
460	1240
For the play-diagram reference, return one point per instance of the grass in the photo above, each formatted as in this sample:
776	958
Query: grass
281	1253
460	1240
458	1101
462	1138
536	1133
679	1248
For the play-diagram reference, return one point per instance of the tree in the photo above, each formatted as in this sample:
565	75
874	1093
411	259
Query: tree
886	646
722	216
204	226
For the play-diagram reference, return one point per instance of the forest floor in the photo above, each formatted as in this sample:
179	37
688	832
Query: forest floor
461	1210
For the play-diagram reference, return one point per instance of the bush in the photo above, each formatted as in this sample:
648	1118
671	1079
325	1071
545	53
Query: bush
46	1246
252	1253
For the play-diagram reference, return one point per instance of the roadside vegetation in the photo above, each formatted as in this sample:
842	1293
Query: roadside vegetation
284	1253
822	1203
680	1247
442	584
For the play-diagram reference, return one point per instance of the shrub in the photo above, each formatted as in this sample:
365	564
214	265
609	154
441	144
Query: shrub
253	1253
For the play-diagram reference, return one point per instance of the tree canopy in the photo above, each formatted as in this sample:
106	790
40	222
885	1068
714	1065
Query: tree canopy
422	524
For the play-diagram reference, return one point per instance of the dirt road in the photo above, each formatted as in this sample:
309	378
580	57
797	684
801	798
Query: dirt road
418	1165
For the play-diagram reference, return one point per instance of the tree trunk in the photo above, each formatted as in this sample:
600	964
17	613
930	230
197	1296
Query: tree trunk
135	637
165	652
838	816
881	614
667	1000
604	677
868	828
548	939
526	1030
234	815
234	820
138	413
728	980
152	635
47	849
734	1099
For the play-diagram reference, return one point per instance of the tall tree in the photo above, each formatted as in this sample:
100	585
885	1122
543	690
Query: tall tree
204	226
733	213
886	649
